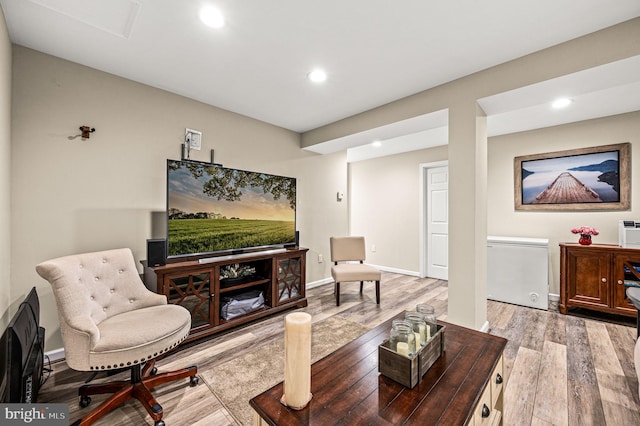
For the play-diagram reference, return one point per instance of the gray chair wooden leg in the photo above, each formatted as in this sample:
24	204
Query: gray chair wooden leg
361	286
378	292
337	294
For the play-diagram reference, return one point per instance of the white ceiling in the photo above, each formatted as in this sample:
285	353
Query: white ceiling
374	51
601	91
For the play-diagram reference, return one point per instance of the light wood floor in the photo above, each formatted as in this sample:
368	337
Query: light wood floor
560	369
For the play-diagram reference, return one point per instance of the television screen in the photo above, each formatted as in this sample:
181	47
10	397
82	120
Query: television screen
214	209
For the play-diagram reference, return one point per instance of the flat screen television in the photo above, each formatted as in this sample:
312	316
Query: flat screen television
214	210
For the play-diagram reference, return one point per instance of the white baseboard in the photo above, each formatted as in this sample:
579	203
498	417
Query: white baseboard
319	283
554	297
55	355
485	327
397	271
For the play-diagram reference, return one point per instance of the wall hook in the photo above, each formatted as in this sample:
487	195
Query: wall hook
86	131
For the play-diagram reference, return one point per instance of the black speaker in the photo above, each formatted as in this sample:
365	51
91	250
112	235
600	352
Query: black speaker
156	252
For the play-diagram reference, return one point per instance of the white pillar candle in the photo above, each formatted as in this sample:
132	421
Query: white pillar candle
297	360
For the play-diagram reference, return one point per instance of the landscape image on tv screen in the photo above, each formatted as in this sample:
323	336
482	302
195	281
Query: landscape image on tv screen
212	209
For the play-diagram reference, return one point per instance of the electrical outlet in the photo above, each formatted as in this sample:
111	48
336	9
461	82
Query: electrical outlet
320	258
373	248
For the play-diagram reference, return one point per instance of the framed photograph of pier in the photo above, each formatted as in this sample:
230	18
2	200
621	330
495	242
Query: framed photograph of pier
596	178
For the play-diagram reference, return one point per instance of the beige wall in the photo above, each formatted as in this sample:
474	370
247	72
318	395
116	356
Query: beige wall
5	171
384	206
324	176
71	196
503	220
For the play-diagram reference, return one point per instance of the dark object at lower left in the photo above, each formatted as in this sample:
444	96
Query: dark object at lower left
22	354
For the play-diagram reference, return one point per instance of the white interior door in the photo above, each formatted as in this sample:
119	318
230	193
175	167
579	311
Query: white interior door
438	222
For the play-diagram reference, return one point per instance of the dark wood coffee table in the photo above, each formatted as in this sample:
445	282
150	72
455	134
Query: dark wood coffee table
348	390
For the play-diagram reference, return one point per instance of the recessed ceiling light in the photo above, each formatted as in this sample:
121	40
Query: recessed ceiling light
211	17
561	103
317	76
376	144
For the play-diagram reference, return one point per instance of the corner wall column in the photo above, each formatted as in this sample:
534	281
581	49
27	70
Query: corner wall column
467	216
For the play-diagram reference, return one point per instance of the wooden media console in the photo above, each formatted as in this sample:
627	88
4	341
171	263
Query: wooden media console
197	285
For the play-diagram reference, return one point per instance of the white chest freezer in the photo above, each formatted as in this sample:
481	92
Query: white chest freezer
518	271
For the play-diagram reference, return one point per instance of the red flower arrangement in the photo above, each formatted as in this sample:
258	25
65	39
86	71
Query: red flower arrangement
585	234
585	230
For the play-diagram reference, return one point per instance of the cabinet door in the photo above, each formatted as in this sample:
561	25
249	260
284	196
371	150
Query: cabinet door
626	269
588	278
193	291
290	279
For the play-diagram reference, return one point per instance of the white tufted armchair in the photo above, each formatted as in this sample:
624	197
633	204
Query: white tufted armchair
109	321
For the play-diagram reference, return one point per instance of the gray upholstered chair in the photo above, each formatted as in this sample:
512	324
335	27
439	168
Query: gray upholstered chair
110	321
348	256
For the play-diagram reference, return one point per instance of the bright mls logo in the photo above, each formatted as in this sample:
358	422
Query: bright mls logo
34	414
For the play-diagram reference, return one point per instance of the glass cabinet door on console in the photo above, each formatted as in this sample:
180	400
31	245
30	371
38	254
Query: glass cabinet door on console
193	291
626	271
290	278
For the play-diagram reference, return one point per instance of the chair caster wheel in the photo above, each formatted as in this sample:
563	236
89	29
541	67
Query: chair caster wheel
85	401
153	372
159	423
194	380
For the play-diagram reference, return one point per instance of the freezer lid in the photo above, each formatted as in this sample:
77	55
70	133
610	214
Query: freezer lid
521	241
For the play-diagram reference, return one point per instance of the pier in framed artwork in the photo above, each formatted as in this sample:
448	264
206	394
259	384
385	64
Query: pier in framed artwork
595	178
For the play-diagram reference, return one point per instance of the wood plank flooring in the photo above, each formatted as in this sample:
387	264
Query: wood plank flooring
560	369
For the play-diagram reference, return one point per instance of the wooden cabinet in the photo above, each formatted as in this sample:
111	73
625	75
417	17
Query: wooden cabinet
198	286
594	277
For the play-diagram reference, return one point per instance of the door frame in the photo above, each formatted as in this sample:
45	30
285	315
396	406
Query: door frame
423	227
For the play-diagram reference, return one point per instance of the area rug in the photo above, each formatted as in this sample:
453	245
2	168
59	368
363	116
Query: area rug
237	381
